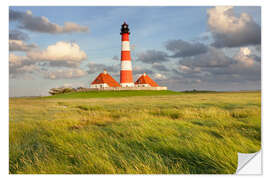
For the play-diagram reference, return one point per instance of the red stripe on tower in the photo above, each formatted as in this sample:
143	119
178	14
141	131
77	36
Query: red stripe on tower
126	79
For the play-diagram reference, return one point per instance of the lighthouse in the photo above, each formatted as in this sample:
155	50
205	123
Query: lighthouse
104	81
126	79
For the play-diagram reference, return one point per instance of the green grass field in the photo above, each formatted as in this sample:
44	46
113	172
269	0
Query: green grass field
106	94
160	132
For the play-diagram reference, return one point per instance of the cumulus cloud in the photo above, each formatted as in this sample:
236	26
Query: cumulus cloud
244	57
231	31
19	45
17	35
152	56
42	24
20	65
60	54
65	74
15	60
182	48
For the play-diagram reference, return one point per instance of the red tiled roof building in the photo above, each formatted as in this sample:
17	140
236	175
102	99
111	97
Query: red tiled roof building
104	80
145	81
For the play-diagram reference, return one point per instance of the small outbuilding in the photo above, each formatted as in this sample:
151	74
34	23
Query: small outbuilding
104	80
145	81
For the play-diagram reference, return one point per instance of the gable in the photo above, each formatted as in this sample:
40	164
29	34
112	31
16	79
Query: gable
106	78
145	79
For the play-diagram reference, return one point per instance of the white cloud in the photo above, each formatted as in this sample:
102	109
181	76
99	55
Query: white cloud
15	60
231	31
243	57
61	53
184	68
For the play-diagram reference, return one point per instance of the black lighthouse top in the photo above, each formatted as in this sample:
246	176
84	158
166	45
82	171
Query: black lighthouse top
124	28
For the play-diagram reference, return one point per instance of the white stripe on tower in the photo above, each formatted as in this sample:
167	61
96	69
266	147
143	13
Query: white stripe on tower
125	46
126	65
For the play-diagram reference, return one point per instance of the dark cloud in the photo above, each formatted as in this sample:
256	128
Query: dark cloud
255	57
116	58
98	68
20	66
182	48
258	48
18	35
137	70
152	56
213	58
244	38
42	24
159	67
22	71
19	45
215	67
231	31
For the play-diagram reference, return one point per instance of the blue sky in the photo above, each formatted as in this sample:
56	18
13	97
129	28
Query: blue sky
153	31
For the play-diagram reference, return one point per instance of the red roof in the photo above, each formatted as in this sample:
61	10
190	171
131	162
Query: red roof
106	78
145	79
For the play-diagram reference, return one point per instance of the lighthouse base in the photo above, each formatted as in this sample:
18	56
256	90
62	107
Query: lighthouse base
127	84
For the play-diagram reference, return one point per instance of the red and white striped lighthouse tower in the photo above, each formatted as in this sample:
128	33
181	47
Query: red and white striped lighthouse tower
126	79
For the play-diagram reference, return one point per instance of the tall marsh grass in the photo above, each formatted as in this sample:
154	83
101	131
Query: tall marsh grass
169	134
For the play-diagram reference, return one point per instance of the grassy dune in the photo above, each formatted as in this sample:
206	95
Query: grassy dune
106	94
170	133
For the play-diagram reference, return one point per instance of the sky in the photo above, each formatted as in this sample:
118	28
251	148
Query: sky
183	48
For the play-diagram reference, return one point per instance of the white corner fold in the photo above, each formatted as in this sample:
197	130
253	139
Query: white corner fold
249	163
